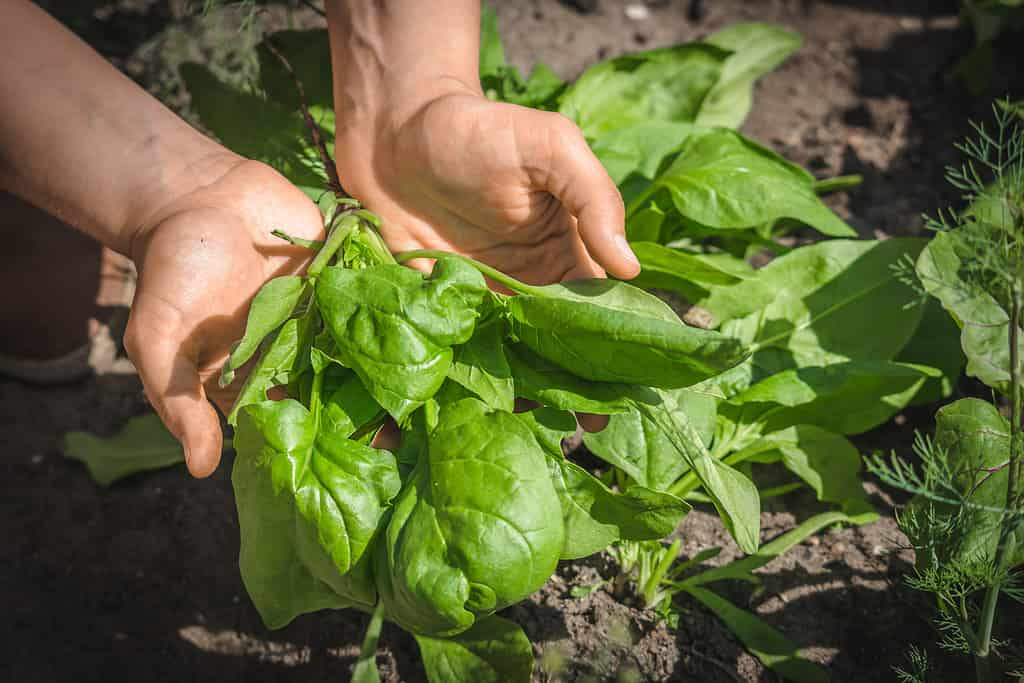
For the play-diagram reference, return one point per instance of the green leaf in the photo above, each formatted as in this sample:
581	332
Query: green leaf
254	127
848	398
976	441
275	367
667	84
735	497
810	306
396	328
640	148
935	343
365	670
142	444
271	306
539	380
765	642
757	48
826	461
985	325
683	272
309	506
722	180
347	405
638	447
477	526
591	327
480	366
593	515
494	650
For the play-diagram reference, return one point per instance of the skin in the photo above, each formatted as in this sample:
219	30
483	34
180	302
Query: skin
417	142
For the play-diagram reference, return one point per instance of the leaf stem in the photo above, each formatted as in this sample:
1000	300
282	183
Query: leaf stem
982	662
335	239
493	273
840	182
297	241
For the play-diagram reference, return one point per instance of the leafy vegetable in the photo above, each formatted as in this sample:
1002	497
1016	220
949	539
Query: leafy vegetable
492	651
142	444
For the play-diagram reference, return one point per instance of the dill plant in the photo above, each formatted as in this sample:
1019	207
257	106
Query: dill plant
966	520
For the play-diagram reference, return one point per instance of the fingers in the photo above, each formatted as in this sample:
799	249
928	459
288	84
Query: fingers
579	181
172	385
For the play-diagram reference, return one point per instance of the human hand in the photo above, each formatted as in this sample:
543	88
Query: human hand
201	258
510	186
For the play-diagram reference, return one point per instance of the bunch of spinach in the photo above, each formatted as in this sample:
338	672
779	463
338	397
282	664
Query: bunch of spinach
966	521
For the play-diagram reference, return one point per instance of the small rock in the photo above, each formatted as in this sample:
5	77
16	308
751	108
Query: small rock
814	540
839	548
637	12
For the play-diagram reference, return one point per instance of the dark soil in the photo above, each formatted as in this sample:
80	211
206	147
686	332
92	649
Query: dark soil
140	582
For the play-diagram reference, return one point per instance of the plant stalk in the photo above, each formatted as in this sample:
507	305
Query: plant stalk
982	655
493	273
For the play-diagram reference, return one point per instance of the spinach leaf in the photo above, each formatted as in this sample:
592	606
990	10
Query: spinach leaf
593	515
347	405
984	323
592	326
639	447
826	461
396	329
309	505
477	526
548	384
481	367
975	441
493	650
640	148
722	180
847	398
935	343
756	48
735	497
666	84
271	306
818	316
276	365
685	272
492	52
143	444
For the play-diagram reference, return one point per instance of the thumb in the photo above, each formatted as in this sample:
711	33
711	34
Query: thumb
578	180
171	381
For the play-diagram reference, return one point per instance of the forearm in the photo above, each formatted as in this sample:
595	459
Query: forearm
81	140
387	59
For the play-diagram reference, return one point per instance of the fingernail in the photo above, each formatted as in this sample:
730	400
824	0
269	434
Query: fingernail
627	252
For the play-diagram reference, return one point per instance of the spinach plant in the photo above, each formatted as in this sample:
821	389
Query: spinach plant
966	521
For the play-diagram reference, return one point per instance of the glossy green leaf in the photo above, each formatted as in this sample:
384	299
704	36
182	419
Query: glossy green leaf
985	325
722	180
275	367
757	48
477	526
810	306
346	405
679	271
640	148
396	328
480	366
142	444
847	398
494	650
639	447
592	326
735	497
594	516
309	506
271	306
539	380
765	642
667	84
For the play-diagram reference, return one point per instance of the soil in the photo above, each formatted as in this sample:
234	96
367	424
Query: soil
139	581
